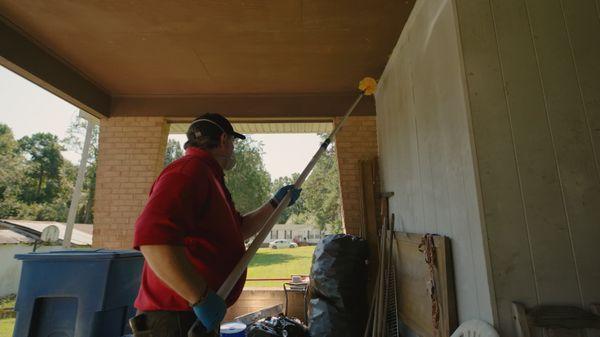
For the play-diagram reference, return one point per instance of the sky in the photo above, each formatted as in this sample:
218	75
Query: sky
27	109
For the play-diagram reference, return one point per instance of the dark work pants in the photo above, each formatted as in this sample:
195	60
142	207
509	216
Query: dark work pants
164	324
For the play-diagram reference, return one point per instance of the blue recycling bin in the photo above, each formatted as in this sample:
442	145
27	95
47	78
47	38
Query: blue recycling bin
77	293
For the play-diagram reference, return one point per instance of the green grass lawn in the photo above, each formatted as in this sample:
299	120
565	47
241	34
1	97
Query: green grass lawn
279	263
7	324
6	327
7	302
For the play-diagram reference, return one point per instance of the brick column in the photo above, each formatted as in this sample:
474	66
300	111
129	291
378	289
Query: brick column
130	156
357	140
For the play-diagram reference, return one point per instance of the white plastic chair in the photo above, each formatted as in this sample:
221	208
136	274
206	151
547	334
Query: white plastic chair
475	328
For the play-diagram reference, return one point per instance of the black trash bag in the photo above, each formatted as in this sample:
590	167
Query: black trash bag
338	287
327	320
290	327
261	329
277	326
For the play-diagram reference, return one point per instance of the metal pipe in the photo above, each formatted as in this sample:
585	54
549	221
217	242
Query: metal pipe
78	184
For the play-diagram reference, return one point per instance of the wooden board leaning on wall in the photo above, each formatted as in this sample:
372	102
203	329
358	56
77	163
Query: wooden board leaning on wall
413	282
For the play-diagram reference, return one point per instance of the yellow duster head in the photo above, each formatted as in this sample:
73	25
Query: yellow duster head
367	85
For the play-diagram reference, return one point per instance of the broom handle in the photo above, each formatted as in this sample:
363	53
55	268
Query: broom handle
243	263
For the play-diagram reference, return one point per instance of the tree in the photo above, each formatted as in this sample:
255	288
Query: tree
56	209
35	181
8	144
11	162
43	169
249	182
11	173
76	135
320	197
323	193
297	208
174	151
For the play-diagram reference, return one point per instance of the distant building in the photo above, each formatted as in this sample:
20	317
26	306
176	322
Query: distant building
23	236
300	233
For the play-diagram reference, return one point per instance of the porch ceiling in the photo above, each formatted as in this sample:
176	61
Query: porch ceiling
267	126
242	58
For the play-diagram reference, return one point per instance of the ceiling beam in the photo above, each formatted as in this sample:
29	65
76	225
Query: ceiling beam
29	60
243	106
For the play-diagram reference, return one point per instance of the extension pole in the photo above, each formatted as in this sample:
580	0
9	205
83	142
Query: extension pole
238	270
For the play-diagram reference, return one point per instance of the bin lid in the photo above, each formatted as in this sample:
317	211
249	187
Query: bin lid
233	329
99	254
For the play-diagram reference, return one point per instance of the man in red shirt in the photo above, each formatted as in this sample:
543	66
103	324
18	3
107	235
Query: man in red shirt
191	235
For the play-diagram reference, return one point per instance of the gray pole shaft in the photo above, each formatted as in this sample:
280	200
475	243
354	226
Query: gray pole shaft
239	268
78	185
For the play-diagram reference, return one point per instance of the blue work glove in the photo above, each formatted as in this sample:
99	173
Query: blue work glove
210	311
283	191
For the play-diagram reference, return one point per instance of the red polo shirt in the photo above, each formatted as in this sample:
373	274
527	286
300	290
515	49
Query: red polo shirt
190	206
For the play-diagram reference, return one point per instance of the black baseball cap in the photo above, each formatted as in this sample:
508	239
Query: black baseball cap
212	124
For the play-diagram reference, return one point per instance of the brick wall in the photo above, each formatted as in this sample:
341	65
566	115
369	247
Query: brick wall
357	140
131	152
